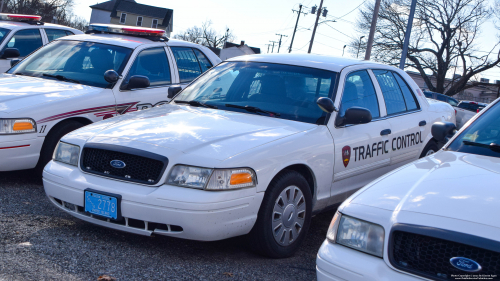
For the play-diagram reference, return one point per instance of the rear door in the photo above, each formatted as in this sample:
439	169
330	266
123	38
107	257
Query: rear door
409	124
362	150
153	63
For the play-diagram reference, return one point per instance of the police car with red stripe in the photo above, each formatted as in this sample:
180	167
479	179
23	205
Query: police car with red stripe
20	35
78	80
256	145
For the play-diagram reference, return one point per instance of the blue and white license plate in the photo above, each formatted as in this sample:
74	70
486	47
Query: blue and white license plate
102	204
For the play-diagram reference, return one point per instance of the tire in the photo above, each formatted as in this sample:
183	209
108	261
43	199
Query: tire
279	234
429	149
51	141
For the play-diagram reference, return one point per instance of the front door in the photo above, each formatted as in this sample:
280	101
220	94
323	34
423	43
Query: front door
362	150
154	64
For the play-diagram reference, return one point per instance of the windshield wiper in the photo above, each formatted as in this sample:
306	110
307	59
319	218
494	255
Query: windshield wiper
252	109
196	103
493	146
61	78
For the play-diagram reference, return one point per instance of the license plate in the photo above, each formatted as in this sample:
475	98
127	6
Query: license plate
102	204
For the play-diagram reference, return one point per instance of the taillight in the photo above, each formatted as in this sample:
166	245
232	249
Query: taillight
478	110
455	112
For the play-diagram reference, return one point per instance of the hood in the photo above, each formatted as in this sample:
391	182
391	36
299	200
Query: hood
217	134
18	92
448	184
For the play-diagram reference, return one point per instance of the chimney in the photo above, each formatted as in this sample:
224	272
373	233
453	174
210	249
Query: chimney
242	43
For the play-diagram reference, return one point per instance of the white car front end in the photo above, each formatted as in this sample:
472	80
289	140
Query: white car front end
433	219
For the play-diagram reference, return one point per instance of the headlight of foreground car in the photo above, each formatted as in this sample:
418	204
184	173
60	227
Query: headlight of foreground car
357	234
67	153
17	126
211	179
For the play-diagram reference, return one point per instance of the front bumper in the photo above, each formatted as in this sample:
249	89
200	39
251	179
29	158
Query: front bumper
19	152
336	262
181	212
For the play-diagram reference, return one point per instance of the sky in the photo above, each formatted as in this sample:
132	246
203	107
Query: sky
258	21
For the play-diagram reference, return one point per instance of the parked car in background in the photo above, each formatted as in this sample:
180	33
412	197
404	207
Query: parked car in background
432	219
20	35
465	110
254	146
81	79
440	97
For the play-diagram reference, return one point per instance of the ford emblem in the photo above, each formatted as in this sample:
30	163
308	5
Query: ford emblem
465	264
119	164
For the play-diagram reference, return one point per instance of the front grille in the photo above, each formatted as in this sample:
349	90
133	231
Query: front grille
141	166
430	257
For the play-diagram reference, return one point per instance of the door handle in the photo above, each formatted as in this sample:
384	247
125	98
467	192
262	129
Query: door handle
385	132
422	123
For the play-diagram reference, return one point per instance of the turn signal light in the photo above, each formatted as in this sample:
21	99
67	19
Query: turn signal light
240	178
22	126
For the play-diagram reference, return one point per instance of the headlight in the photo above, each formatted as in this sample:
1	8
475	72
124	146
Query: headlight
17	126
67	153
360	235
211	179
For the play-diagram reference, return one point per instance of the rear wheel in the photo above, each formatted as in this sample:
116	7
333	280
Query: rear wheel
284	216
429	149
51	141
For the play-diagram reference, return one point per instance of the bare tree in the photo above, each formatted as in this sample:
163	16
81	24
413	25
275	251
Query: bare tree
48	9
206	35
442	40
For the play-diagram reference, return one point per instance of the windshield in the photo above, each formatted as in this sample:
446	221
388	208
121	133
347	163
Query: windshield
482	136
3	34
280	91
74	61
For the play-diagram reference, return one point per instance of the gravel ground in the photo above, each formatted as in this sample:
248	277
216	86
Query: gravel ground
40	242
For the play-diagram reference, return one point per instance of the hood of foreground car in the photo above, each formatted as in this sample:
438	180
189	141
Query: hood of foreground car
18	92
217	134
447	184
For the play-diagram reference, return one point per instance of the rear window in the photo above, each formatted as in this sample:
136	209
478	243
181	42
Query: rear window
190	63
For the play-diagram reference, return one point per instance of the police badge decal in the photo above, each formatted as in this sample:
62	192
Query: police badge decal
346	155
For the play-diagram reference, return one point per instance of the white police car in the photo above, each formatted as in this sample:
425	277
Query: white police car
20	35
433	219
255	145
77	80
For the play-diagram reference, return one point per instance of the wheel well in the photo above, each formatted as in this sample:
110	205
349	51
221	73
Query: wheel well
305	172
82	120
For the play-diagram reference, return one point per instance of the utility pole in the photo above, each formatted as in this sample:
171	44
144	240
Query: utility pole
359	45
315	26
272	50
407	35
279	44
225	39
343	49
296	24
268	45
369	44
1	7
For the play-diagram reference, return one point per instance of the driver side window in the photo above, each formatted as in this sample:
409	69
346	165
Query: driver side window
359	91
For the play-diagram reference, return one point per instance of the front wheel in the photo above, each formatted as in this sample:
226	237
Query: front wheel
429	149
284	216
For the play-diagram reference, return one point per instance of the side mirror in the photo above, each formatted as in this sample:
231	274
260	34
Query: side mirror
326	105
10	53
356	115
111	76
441	130
173	90
13	62
138	82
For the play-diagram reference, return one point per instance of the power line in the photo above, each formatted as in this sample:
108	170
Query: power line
340	31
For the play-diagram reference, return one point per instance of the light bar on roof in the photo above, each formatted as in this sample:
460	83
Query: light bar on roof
128	30
18	17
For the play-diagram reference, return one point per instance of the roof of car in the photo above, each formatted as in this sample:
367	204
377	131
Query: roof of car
308	60
123	40
18	25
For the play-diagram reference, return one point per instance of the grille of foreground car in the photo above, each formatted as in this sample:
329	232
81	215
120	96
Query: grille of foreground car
140	166
430	256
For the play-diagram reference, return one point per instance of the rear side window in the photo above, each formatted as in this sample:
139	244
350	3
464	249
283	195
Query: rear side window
152	63
53	34
452	102
190	63
397	95
26	41
359	91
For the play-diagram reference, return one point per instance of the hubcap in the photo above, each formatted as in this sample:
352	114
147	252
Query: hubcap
288	215
429	152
